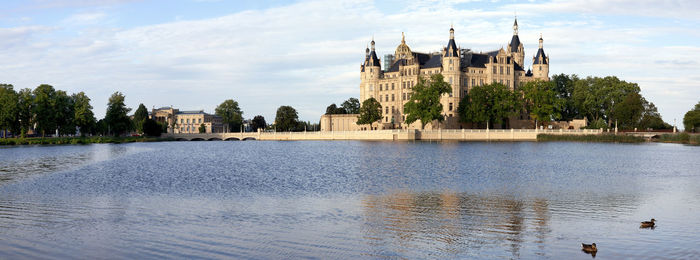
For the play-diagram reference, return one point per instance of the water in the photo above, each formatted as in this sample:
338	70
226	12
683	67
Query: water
340	200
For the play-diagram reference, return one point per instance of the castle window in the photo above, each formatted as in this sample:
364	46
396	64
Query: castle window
370	69
540	68
387	110
392	110
403	85
392	97
392	85
508	71
386	97
380	87
450	61
501	70
494	69
404	96
450	106
473	80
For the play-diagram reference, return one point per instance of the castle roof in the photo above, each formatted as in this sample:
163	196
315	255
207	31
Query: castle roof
451	49
514	43
540	56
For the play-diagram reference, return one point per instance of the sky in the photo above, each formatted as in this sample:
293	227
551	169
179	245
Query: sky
194	54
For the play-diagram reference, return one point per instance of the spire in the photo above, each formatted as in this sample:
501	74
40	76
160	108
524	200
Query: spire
403	38
515	26
452	33
372	42
541	40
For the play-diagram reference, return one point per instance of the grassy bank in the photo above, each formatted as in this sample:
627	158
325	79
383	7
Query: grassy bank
80	140
606	138
682	138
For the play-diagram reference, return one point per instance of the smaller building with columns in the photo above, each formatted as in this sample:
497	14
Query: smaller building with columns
181	122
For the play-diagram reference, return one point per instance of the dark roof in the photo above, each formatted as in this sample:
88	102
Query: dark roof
517	66
479	60
424	60
514	42
395	67
434	62
540	54
451	49
373	59
192	112
528	73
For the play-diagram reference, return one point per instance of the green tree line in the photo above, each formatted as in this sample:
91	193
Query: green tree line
605	101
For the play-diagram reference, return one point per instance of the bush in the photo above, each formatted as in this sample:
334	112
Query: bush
591	138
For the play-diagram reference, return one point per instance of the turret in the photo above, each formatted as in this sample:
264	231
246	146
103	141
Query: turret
451	70
515	47
373	63
540	63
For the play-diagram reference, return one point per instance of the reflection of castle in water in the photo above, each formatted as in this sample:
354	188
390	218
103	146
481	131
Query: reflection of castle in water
453	223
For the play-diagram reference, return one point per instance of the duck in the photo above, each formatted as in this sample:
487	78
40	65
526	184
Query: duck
589	248
648	224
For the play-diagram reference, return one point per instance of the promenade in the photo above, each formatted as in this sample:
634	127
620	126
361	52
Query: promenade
389	135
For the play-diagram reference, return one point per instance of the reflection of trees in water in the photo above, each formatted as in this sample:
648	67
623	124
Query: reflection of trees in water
453	223
44	159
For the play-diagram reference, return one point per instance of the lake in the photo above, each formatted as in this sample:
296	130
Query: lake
349	200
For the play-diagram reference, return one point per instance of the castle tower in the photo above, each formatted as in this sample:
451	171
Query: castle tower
451	70
540	63
515	47
370	71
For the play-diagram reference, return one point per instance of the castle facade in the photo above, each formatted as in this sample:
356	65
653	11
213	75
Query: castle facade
461	68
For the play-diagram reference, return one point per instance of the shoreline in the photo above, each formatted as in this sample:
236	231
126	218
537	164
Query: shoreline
682	138
16	141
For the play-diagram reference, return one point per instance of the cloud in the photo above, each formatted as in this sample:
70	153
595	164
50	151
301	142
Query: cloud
307	54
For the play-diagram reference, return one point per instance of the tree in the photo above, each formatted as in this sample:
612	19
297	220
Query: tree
230	114
691	120
286	118
629	112
258	122
351	106
116	118
8	108
44	108
140	115
153	128
488	104
541	101
25	110
63	105
370	112
564	90
332	109
651	119
83	117
424	104
596	97
202	129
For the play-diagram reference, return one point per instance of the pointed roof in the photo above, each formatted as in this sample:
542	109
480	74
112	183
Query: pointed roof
452	46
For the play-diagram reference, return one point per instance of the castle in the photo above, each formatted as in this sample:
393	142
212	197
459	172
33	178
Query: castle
461	68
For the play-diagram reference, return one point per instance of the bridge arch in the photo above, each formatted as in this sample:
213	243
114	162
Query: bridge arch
182	139
232	139
197	139
214	139
248	138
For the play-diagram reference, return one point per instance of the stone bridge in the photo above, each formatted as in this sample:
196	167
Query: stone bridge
387	135
648	135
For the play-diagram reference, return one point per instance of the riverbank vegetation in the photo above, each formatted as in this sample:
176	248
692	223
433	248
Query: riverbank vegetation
80	140
682	138
605	138
606	102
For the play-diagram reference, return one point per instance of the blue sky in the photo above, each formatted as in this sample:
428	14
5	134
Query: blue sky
193	54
